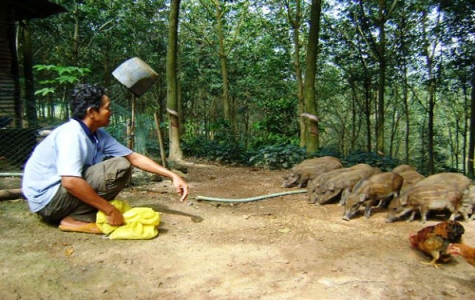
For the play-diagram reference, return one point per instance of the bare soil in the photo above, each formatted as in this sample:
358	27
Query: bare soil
275	248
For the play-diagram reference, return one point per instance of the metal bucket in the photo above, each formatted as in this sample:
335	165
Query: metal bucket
136	75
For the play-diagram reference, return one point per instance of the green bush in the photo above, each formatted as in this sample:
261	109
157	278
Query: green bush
278	156
372	159
225	151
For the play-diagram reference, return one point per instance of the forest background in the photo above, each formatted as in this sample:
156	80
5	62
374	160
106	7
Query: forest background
269	83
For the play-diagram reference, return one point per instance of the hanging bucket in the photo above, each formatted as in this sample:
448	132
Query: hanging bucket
136	75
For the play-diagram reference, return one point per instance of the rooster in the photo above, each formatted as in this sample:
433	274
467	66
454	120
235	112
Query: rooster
434	240
463	250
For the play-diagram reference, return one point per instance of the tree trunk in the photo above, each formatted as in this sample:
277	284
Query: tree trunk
354	114
15	72
10	194
431	90
431	125
31	115
295	23
75	48
311	121
407	117
175	152
382	77
367	108
471	142
179	99
224	66
107	67
466	122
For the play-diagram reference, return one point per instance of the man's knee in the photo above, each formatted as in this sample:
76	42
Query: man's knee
117	175
109	176
119	164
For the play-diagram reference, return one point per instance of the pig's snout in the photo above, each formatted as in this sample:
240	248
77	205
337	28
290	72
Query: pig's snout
312	199
347	215
389	219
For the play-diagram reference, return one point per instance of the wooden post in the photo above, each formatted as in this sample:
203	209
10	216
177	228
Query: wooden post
160	140
10	194
131	126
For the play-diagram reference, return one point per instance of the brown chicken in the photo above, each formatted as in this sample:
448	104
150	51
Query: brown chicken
463	250
435	239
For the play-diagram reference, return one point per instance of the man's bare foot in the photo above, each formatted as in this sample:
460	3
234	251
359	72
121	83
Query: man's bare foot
72	225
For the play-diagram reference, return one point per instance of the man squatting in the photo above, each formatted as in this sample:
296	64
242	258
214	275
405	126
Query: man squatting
78	168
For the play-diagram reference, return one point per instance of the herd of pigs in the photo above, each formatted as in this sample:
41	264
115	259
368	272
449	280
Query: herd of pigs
402	191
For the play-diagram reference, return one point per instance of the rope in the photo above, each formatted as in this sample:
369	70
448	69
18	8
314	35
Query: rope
250	199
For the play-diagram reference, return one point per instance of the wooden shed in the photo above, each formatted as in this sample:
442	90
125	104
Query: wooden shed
12	11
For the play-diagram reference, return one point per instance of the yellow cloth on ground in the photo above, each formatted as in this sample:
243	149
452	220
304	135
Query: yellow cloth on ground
140	222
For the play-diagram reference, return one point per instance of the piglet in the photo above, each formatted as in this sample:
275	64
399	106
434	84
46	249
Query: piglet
367	192
433	197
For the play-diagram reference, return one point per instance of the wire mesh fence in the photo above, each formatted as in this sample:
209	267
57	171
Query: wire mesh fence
16	144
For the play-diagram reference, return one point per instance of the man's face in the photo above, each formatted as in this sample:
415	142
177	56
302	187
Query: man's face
102	116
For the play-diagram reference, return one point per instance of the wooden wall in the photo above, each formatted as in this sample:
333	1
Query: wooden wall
7	81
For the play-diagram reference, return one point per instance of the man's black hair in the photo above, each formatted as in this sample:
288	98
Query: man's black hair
84	96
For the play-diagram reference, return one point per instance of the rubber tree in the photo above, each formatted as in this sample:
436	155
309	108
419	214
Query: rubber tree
175	152
223	59
431	42
349	52
380	14
310	104
227	31
459	25
405	41
294	17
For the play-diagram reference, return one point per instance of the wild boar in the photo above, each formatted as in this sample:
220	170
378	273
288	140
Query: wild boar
468	201
318	186
460	182
457	180
424	199
403	168
308	169
410	179
343	182
378	187
313	185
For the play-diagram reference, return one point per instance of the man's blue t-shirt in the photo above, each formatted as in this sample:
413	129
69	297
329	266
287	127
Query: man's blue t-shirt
66	151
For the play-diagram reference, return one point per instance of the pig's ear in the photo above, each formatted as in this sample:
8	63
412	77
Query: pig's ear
345	193
361	197
403	200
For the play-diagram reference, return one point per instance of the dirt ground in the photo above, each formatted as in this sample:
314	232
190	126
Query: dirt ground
275	248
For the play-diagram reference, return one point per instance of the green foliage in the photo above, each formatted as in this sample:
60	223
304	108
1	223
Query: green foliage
153	148
278	156
59	75
327	151
372	159
262	77
118	130
45	91
270	138
440	163
273	156
225	151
